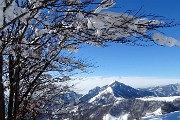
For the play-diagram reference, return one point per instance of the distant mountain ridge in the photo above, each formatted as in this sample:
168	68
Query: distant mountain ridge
121	90
165	90
117	101
115	89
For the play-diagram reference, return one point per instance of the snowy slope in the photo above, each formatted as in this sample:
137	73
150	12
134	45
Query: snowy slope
110	117
92	93
166	99
157	112
102	94
170	116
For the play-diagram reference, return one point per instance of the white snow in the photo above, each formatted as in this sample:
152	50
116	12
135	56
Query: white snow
164	40
103	21
9	13
105	4
110	117
167	99
73	48
118	100
170	116
80	16
2	3
108	90
157	112
0	41
124	117
1	16
73	1
13	11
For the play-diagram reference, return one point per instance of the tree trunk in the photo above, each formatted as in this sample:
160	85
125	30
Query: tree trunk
2	102
11	92
16	88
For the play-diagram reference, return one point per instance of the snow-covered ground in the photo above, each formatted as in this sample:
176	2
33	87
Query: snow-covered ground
157	112
170	116
167	99
110	117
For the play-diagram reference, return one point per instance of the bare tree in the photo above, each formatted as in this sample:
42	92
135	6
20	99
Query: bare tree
39	36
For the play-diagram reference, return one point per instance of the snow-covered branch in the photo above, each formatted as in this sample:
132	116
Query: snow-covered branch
164	40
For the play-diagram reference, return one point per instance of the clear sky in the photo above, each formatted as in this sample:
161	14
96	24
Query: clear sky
145	62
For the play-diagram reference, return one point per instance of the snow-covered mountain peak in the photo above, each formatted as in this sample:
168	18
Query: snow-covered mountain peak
116	83
114	91
113	83
125	91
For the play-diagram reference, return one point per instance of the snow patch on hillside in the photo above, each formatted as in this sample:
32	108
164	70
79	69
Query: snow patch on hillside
106	91
157	112
110	117
170	116
167	99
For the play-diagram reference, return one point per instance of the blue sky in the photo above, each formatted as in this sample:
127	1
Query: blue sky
152	63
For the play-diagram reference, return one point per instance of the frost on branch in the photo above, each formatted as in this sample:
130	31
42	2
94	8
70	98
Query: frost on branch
2	3
72	49
164	40
12	11
105	4
72	2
